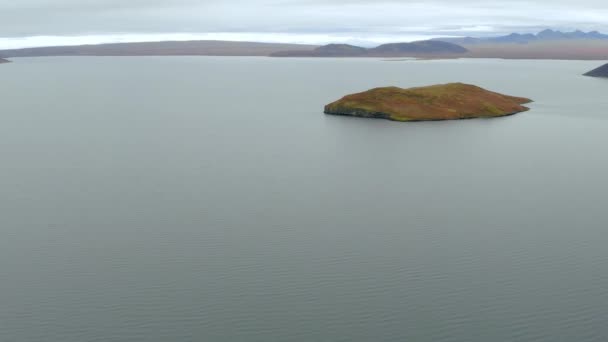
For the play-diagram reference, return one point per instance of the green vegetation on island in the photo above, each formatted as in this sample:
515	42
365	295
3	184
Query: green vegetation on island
438	102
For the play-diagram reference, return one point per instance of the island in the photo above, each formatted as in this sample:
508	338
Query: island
2	60
450	101
599	72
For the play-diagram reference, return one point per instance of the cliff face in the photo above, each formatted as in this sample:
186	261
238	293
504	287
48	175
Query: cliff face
599	72
439	102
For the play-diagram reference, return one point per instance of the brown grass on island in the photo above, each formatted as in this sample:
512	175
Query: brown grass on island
438	102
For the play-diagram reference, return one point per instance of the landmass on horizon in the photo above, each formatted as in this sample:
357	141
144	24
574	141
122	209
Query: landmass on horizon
167	48
450	101
420	48
518	38
547	44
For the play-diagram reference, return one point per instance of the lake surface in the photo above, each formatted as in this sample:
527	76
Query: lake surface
209	199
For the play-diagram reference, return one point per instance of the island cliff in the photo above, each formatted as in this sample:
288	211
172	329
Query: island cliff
439	102
599	72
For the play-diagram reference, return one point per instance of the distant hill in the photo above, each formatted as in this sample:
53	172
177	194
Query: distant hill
599	72
415	49
516	38
337	50
547	44
331	50
185	48
558	49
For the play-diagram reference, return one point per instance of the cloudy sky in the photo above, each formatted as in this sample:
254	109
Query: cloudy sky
65	22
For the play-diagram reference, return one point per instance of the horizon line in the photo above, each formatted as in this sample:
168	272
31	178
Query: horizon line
360	39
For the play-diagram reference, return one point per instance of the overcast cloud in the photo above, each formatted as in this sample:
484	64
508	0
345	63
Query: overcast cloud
52	22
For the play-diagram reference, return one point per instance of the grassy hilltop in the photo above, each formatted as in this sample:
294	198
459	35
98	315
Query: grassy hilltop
439	102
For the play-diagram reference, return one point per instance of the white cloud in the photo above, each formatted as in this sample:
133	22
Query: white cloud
69	22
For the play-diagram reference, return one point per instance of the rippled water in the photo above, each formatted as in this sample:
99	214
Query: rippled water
209	199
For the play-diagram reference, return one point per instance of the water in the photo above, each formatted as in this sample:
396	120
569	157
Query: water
209	199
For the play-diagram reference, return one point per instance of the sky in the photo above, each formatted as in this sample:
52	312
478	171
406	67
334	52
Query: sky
27	23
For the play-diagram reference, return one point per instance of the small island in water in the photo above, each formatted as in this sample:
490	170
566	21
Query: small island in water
599	72
2	60
450	101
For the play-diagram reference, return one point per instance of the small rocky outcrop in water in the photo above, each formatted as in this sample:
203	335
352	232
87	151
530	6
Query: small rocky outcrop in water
599	72
438	102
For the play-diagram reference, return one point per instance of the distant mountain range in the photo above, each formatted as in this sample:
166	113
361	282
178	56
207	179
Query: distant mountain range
415	49
548	44
516	38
